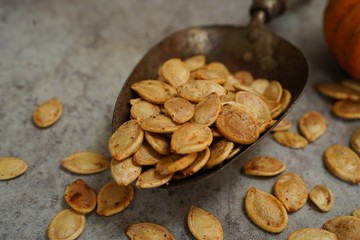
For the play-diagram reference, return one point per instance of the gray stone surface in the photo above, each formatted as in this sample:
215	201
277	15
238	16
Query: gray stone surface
82	52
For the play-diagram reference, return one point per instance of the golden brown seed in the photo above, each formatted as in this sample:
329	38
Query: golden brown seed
67	225
151	179
204	225
80	197
197	90
356	213
159	124
312	125
237	124
273	91
283	125
220	150
211	75
351	83
148	231
174	162
241	87
265	210
218	66
322	197
264	125
199	162
230	96
47	113
190	138
312	233
124	171
175	72
159	142
291	190
114	198
195	62
133	101
290	139
255	103
355	140
179	109
215	132
347	109
260	85
345	227
343	163
154	91
263	166
244	77
234	151
11	167
338	91
207	110
146	155
285	99
85	162
126	140
142	110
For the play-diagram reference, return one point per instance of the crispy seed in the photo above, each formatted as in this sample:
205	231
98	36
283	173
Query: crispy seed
312	125
244	77
190	138
290	139
47	113
126	140
204	225
355	140
159	124
220	150
283	125
195	62
345	227
255	103
80	196
230	96
143	109
175	72
241	87
174	162
218	66
148	231
211	75
273	91
146	155
207	110
215	132
260	85
343	162
151	179
234	151
291	190
199	162
312	233
179	109
347	109
228	85
338	91
67	224
133	101
124	171
274	107
322	197
85	162
263	166
264	125
351	83
265	210
114	198
11	167
356	213
285	99
159	142
197	90
154	91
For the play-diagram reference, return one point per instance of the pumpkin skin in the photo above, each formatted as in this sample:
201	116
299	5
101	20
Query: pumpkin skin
342	33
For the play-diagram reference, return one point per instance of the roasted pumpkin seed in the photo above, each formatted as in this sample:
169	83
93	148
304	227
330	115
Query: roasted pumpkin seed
197	90
244	77
265	210
263	166
154	91
345	227
151	179
204	225
80	197
356	212
174	162
322	197
355	140
175	72
85	162
312	234
291	190
67	224
283	125
343	162
211	75
195	62
260	85
273	91
219	150
114	198
125	171
159	142
179	109
351	83
47	113
285	99
143	110
199	162
148	231
290	139
347	109
207	110
255	103
146	155
11	167
312	125
338	91
159	124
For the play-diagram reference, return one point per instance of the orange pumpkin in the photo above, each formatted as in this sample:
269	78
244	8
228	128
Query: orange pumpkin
342	33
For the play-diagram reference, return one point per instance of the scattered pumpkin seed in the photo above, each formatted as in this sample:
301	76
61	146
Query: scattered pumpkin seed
322	197
11	167
347	109
85	162
312	125
290	139
148	231
151	179
125	171
47	113
283	125
355	140
312	233
338	91
80	197
345	227
263	166
67	224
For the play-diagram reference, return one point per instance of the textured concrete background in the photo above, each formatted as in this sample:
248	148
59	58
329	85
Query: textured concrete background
82	52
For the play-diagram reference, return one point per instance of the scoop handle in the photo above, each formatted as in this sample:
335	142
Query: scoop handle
263	11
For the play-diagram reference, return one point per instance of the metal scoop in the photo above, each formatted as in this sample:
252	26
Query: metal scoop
251	48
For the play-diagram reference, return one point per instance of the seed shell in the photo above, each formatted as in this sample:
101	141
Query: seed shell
114	198
146	155
143	110
345	227
347	109
11	167
159	142
148	231
151	179
263	166
312	125
355	140
80	197
255	103
244	77
85	162
322	197
207	110
219	150
290	139
179	109
66	225
125	171
199	162
338	91
159	124
175	72
195	62
154	91
197	90
283	125
312	233
273	91
204	225
356	213
174	162
260	85
47	113
265	210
